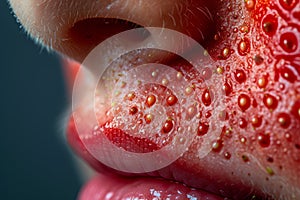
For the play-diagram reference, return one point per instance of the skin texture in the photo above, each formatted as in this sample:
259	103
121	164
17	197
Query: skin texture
49	22
258	150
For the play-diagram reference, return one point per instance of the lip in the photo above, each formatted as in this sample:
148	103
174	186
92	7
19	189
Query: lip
181	170
178	171
116	187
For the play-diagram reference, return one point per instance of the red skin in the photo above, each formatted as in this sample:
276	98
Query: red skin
257	141
256	52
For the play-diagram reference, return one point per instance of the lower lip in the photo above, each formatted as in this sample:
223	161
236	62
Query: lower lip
111	184
118	187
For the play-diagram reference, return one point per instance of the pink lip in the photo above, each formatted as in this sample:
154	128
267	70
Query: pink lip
117	187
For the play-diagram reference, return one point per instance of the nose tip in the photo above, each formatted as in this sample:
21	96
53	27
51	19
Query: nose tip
72	27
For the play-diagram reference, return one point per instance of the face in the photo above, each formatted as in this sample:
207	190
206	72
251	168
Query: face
179	99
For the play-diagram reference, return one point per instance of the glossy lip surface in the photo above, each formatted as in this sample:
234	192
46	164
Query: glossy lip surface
112	187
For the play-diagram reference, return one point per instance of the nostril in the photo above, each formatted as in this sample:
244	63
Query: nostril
86	34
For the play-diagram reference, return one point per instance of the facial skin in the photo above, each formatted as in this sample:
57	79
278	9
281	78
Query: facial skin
63	26
35	16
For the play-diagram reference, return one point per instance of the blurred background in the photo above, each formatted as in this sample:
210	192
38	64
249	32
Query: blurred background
35	160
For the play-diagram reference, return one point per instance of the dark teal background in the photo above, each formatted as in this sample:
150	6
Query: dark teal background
34	160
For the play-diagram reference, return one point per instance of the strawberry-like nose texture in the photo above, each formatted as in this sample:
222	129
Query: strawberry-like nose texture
257	151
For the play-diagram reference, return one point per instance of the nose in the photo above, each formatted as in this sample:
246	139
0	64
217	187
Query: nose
74	27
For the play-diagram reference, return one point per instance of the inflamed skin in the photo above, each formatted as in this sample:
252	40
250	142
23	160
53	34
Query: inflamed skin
255	51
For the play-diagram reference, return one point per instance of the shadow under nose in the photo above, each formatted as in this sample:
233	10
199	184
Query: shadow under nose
88	33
